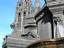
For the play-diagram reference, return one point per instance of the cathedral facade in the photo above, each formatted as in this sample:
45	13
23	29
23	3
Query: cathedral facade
33	24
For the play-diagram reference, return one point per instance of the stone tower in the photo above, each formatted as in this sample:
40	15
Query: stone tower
24	21
24	26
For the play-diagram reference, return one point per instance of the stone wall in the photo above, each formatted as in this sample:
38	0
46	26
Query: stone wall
48	44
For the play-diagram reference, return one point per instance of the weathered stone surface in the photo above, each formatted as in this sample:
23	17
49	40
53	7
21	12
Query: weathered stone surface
48	44
27	30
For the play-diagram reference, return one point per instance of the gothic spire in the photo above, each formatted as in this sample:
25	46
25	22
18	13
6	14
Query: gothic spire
19	2
27	2
37	5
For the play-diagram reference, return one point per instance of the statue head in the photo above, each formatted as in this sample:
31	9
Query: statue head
57	19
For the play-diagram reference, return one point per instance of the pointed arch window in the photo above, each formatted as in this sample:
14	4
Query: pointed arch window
19	16
19	20
24	13
63	12
28	13
19	4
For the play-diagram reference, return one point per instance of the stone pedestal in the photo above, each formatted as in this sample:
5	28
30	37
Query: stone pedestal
17	43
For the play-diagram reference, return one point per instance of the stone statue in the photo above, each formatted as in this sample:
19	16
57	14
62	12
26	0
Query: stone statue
58	28
30	33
